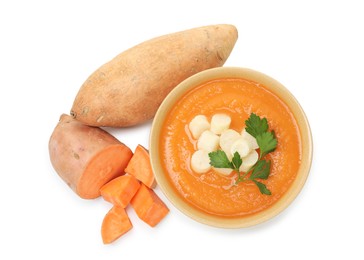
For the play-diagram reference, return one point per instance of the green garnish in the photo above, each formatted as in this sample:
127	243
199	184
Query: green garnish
237	161
256	126
267	143
219	159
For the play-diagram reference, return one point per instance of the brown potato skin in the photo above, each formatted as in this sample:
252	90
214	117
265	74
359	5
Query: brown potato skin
129	89
71	147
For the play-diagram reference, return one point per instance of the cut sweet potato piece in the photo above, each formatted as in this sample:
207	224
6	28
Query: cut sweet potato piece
148	206
139	166
120	190
116	223
86	157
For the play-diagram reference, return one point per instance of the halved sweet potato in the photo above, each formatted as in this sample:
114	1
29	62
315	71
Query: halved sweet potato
86	157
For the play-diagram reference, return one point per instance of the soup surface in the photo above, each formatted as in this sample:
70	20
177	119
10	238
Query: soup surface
213	193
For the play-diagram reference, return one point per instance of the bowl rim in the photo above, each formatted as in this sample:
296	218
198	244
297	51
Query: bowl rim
272	85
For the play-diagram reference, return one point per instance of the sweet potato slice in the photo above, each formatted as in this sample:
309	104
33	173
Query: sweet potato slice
115	224
140	166
120	190
86	157
148	206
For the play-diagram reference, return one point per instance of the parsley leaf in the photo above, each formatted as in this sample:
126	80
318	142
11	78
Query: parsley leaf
262	188
219	159
261	170
237	161
267	143
256	126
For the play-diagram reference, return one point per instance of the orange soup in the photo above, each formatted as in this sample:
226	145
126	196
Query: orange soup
217	194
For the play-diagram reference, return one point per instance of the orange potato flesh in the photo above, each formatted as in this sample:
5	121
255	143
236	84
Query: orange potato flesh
120	190
139	166
86	157
115	224
148	206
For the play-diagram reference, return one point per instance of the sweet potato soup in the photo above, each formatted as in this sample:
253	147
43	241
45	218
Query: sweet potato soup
214	193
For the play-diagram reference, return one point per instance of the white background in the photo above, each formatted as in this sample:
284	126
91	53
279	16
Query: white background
47	50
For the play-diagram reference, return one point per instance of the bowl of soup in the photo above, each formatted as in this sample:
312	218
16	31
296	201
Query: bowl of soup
230	96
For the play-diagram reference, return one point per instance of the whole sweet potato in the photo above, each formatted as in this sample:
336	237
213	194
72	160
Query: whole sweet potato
129	89
86	157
